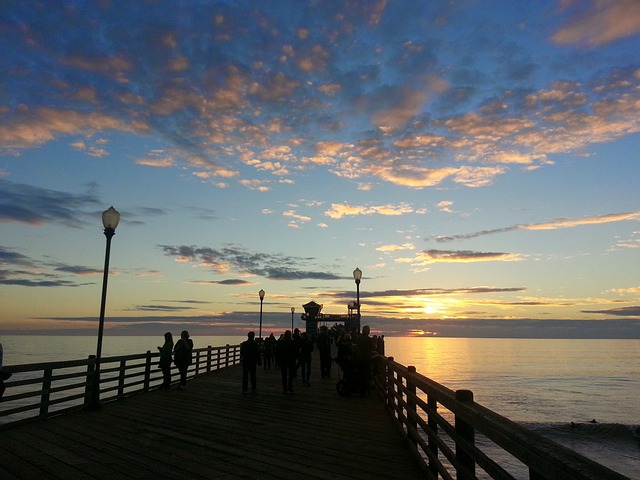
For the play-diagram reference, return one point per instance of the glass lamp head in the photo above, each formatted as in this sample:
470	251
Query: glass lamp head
110	218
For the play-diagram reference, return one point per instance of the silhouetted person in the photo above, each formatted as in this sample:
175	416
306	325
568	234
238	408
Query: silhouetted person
250	359
269	351
380	345
345	351
286	356
306	348
297	339
182	357
364	351
165	360
345	357
324	348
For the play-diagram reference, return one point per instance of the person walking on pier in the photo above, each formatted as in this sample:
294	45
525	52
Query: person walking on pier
286	356
269	351
306	348
165	360
182	357
250	359
324	347
297	340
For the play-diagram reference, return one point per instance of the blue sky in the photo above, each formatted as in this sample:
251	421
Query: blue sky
477	160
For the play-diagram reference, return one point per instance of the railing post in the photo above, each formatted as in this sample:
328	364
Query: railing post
226	360
533	475
433	426
390	386
209	350
467	467
147	372
412	423
91	369
46	392
121	375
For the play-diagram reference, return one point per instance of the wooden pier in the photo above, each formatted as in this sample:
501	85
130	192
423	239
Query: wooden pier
212	430
411	427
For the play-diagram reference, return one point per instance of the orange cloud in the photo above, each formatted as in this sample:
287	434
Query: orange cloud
607	21
339	210
463	256
35	127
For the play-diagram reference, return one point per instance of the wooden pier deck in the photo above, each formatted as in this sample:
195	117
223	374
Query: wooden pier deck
212	430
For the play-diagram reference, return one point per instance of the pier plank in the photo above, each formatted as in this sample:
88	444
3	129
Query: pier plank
212	430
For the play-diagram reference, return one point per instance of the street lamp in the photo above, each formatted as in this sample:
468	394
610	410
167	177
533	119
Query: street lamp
110	219
357	276
293	309
261	294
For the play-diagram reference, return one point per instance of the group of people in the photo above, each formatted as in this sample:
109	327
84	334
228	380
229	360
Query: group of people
292	354
180	354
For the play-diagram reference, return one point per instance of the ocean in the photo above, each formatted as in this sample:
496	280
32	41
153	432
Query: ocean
545	385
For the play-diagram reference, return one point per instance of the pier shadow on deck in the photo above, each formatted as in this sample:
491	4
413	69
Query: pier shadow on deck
214	431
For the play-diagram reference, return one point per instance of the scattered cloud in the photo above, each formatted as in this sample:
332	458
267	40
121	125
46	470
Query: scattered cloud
633	311
463	256
396	248
338	210
550	225
603	22
36	206
237	259
32	127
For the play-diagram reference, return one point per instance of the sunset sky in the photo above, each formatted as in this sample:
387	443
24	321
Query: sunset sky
479	161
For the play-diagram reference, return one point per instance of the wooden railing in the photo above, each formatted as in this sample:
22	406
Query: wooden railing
454	437
41	390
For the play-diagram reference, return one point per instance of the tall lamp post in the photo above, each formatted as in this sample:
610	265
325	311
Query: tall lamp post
261	294
293	309
357	276
110	219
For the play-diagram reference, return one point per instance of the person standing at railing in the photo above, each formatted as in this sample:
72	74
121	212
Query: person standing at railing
250	359
182	357
165	360
364	351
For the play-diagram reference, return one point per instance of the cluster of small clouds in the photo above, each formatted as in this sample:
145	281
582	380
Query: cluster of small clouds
31	205
264	106
338	211
222	103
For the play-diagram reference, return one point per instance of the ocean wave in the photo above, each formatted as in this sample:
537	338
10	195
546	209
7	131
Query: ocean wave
590	430
614	445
